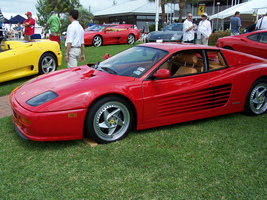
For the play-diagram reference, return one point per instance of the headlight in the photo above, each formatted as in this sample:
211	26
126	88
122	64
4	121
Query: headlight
42	98
176	38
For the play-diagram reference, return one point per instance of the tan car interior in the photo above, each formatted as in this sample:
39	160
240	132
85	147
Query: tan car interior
190	63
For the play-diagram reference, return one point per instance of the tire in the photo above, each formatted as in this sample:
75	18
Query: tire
97	41
108	119
130	39
229	48
47	63
256	101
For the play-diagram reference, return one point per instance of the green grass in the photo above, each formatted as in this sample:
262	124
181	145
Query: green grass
92	55
218	158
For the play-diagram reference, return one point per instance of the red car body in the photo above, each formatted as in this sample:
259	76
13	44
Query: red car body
254	43
146	94
98	35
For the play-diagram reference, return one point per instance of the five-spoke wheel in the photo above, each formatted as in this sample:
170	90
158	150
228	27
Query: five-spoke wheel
256	102
47	63
130	39
97	41
108	119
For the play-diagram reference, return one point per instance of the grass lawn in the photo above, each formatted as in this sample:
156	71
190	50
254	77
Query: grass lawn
219	158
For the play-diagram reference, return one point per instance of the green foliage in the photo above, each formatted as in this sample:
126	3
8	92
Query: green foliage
215	36
152	27
42	14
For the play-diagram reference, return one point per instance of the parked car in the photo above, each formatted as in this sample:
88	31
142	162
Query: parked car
254	43
20	58
104	34
171	33
149	85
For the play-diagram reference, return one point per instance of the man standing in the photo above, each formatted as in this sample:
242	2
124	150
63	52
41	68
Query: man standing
204	30
189	29
235	22
74	41
1	21
262	23
53	23
29	26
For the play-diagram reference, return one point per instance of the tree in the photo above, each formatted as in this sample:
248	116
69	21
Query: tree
42	15
59	6
162	5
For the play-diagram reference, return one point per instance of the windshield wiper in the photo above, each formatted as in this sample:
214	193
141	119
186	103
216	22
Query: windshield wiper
107	69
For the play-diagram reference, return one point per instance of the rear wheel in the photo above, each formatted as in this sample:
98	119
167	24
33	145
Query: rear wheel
130	39
256	101
47	63
97	41
109	119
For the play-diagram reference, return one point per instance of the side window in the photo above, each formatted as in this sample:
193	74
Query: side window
263	38
184	63
253	37
215	60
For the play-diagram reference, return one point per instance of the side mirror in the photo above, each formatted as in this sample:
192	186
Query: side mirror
162	73
106	56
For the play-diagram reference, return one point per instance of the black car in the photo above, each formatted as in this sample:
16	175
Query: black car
171	33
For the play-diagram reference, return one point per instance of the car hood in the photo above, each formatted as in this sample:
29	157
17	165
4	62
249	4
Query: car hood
163	34
75	88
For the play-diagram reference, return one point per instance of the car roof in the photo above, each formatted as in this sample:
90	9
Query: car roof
173	46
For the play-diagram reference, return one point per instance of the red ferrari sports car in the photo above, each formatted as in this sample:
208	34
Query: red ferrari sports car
254	43
149	85
98	35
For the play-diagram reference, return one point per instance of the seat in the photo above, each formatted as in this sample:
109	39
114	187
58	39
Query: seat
36	36
183	70
167	65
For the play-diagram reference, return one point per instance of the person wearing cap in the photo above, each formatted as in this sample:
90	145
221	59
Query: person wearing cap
235	24
262	23
53	23
74	41
204	30
189	29
29	24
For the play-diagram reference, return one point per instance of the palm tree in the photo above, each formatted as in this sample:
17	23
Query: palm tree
162	4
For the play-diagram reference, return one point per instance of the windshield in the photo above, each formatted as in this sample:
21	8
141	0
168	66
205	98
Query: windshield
174	27
97	28
133	62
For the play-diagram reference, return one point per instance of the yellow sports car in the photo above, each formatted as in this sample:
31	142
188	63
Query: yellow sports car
20	58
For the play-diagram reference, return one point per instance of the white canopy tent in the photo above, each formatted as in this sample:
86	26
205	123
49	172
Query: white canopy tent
249	7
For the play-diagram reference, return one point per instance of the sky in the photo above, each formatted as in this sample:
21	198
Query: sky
13	7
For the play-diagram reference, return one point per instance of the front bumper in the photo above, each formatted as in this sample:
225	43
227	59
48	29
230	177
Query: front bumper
49	126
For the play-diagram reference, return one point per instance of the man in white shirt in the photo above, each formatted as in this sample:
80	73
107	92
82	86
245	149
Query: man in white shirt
189	29
74	41
204	30
262	23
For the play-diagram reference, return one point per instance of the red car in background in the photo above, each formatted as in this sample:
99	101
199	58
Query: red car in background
148	85
254	43
104	34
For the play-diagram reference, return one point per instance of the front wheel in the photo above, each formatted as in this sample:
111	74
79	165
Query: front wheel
47	63
256	101
108	119
97	41
130	39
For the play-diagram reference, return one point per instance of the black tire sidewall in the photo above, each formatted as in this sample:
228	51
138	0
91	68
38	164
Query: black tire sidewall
40	70
89	119
247	109
98	37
